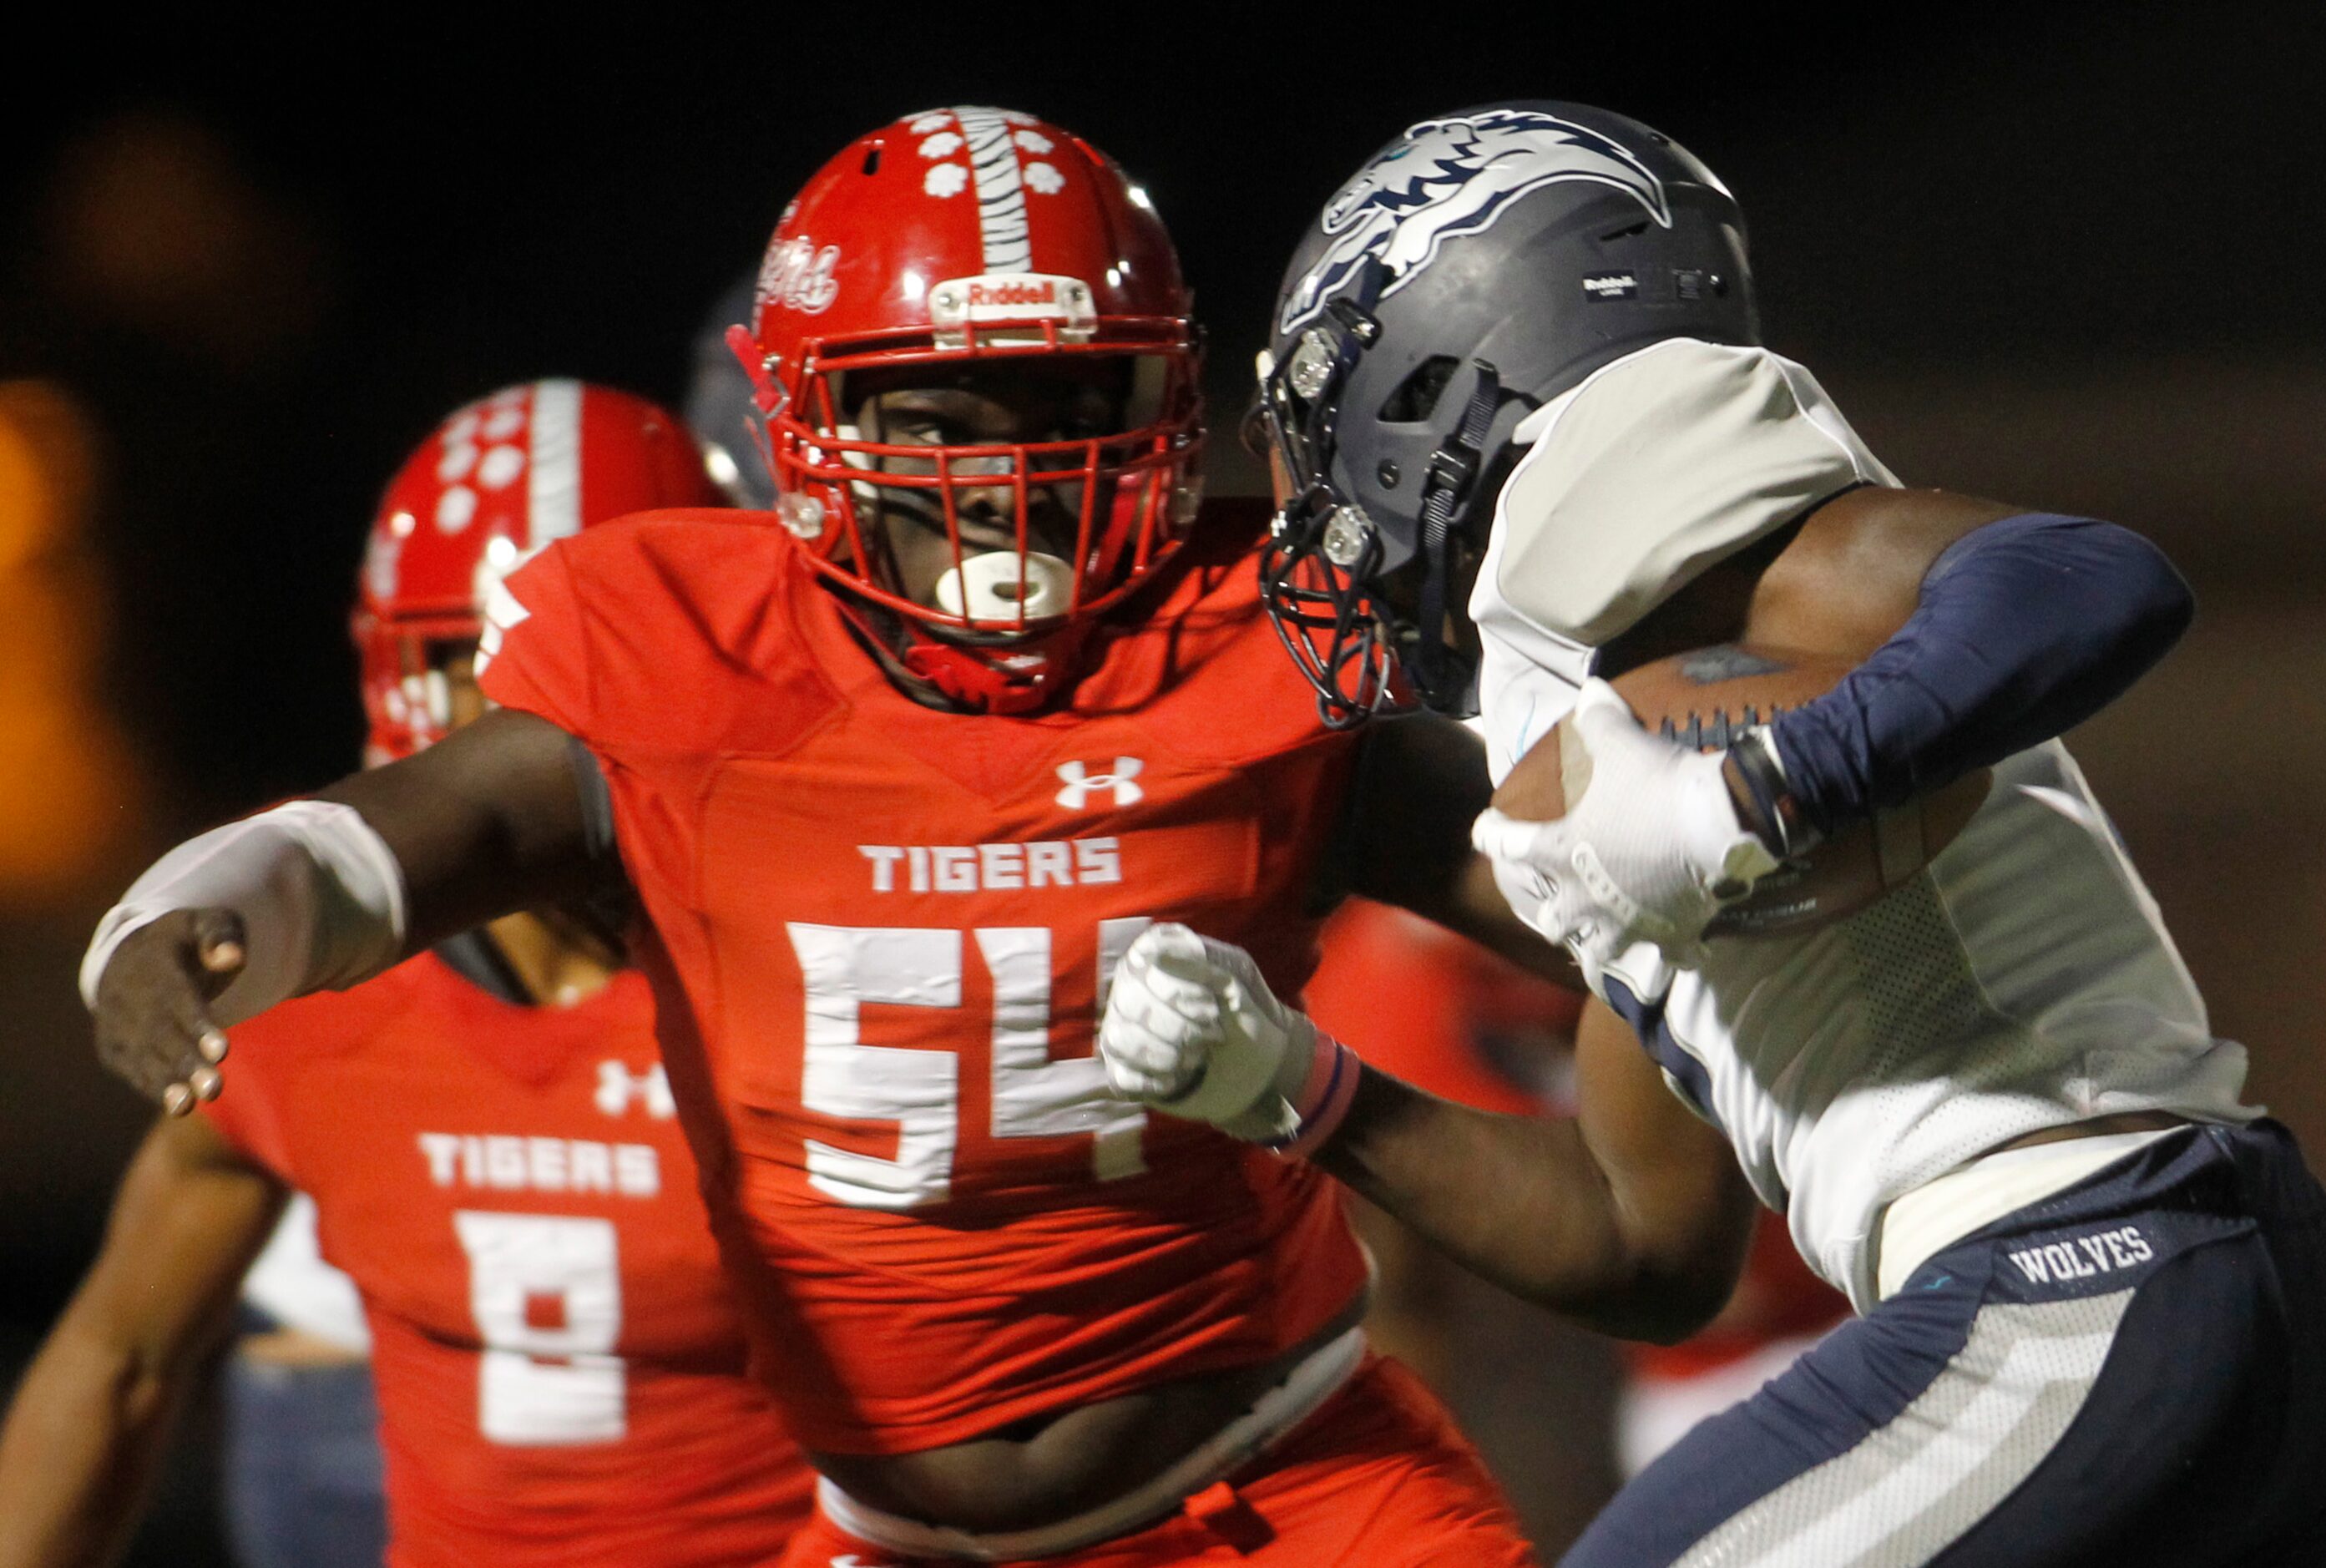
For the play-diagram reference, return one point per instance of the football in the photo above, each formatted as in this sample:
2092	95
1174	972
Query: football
1709	697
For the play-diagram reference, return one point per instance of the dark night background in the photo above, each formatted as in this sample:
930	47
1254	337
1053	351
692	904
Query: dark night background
2066	254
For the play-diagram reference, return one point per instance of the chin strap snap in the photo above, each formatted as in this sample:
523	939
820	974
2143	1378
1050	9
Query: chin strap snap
982	684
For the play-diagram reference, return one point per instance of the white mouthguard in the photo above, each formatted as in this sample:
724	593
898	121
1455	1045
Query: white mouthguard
985	587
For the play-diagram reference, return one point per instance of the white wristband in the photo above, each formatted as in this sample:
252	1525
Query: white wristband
321	897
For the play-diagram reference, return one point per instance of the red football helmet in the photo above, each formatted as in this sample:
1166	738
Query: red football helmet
979	235
498	480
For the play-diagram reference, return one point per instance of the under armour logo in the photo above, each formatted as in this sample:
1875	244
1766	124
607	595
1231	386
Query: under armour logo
1079	785
618	1087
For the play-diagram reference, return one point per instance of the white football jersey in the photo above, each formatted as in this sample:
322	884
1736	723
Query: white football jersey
2023	980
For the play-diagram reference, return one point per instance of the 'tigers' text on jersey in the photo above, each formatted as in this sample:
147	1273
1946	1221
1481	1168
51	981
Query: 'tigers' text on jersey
966	868
508	1163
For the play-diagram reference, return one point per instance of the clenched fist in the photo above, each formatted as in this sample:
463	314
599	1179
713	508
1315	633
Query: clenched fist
1192	1030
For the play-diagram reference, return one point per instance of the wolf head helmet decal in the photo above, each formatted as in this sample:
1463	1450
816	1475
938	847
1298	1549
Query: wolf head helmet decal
1450	177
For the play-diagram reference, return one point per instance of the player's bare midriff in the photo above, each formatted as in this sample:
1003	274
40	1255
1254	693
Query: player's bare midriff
1055	1467
2122	1122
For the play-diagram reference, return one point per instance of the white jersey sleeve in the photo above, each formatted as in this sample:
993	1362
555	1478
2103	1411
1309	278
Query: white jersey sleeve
1652	469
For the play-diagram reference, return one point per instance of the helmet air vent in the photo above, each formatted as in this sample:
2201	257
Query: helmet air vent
1415	398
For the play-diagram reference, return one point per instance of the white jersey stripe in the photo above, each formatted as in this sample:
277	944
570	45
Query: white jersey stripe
553	479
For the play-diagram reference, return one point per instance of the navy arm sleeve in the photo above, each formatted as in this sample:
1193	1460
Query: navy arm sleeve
2026	627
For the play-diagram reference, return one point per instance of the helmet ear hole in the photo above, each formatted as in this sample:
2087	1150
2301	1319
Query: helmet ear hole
1415	398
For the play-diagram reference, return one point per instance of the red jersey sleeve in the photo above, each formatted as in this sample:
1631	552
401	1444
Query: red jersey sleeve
596	632
536	651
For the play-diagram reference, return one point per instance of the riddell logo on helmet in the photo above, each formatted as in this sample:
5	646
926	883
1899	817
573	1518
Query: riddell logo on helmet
1014	296
984	296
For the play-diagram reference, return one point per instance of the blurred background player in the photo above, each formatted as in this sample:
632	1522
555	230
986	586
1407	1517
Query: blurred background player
302	1426
491	1148
720	406
895	774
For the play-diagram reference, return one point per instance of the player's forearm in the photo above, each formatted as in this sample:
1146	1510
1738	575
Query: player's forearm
507	813
316	898
81	1446
329	892
1521	1202
2025	627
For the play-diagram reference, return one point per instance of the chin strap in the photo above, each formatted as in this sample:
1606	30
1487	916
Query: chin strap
1442	674
1014	683
766	395
1012	679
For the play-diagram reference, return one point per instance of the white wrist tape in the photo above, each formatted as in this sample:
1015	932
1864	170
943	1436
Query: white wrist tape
320	893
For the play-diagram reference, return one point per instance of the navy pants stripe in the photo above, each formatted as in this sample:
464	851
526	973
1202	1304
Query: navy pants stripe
2132	1371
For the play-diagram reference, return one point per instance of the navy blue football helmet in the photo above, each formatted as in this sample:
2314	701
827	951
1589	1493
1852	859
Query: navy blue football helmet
1477	266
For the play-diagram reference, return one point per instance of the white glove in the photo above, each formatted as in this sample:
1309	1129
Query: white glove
1192	1028
1650	853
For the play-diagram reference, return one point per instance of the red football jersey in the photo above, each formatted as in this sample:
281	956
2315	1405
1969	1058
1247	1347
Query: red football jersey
879	938
560	1368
